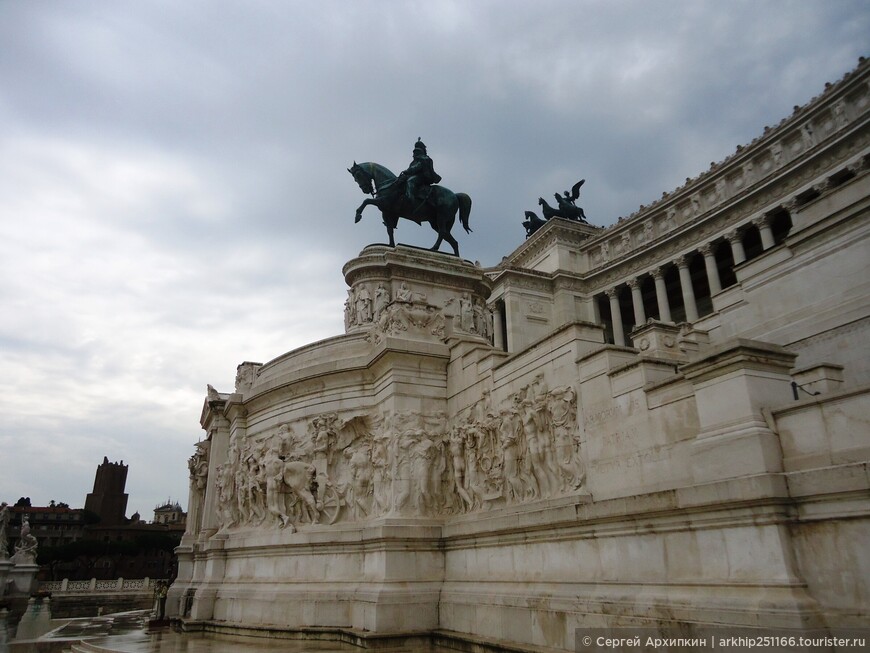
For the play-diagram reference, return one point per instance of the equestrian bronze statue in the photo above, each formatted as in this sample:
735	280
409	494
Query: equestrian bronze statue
413	195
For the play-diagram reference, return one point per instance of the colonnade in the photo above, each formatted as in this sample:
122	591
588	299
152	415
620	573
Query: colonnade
689	300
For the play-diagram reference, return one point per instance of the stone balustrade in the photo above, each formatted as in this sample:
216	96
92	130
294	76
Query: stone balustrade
91	586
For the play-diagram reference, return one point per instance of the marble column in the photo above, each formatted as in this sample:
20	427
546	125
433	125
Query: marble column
497	327
616	317
712	270
637	302
763	224
736	243
662	295
686	286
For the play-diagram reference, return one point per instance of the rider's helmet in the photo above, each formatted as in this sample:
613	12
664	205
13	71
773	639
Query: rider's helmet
419	148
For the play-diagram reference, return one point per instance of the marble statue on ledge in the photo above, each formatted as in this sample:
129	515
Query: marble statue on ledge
25	550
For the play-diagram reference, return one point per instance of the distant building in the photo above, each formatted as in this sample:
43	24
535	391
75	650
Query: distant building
169	513
99	541
108	500
51	525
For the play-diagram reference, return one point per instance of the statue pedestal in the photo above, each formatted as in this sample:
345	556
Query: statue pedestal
36	620
416	293
23	579
5	567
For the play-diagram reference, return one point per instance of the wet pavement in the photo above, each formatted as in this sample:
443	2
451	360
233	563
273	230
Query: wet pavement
127	633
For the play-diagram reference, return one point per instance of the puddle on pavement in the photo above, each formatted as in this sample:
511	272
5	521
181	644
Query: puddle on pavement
127	633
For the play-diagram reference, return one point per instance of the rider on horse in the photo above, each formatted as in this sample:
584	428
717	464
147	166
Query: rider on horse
419	176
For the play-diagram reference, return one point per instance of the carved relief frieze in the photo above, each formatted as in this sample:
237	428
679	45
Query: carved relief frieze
330	468
246	374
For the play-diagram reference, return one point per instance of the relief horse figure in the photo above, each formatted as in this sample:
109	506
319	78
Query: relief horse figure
438	207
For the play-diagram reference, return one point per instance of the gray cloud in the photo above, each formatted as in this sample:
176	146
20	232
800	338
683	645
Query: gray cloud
174	199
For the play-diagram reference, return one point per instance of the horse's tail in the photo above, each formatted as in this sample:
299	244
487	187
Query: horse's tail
464	210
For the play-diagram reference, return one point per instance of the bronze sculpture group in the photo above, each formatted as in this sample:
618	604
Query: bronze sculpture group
566	207
413	195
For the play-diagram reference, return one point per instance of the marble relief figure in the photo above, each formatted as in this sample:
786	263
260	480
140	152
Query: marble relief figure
197	464
406	463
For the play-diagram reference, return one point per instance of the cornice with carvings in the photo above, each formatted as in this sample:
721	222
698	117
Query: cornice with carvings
525	279
735	216
840	109
556	231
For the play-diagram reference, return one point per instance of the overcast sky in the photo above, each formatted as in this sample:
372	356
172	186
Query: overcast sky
174	198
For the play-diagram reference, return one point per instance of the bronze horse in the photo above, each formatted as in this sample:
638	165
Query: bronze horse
438	208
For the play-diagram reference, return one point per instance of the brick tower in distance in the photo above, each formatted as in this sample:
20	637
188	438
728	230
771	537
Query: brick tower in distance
108	500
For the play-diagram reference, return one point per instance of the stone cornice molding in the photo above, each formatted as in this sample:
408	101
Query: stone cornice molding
840	108
514	278
723	223
381	263
763	170
556	231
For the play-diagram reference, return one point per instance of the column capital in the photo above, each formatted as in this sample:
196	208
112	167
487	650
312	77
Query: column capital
612	293
734	236
633	283
761	221
791	205
658	273
682	261
707	250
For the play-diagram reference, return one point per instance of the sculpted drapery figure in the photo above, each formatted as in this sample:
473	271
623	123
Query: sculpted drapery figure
197	464
382	298
363	305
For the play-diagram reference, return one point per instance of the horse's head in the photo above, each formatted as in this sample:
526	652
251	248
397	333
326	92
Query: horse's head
362	178
371	176
541	201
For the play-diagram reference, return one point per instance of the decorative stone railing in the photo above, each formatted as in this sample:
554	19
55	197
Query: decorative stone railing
127	585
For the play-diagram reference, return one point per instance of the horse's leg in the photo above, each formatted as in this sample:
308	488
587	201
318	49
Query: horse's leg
443	223
359	211
391	221
450	239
